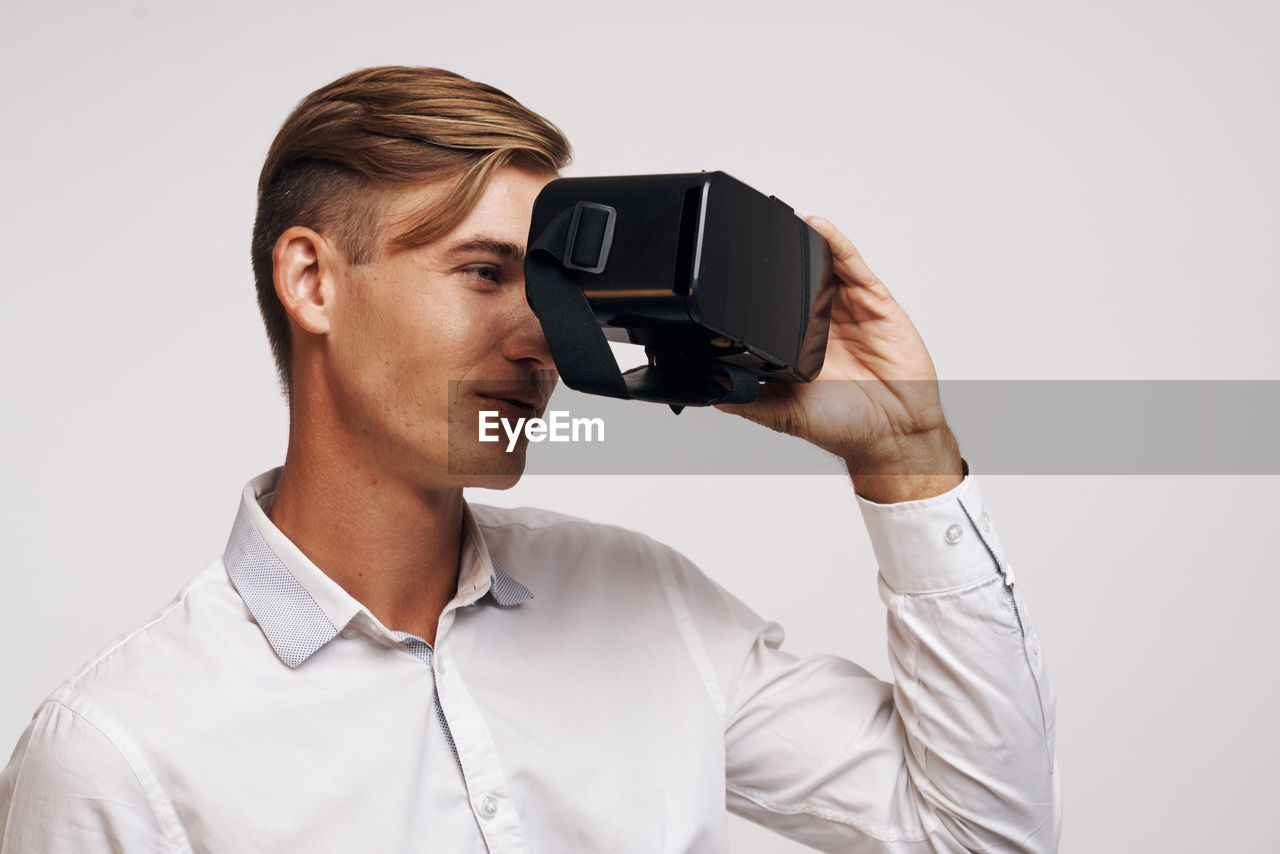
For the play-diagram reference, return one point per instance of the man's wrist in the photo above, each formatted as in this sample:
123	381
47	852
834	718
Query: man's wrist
912	470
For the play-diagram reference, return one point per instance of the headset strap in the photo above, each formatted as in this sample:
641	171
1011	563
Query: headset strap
580	239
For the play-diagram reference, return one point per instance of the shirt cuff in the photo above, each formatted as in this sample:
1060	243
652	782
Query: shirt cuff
935	543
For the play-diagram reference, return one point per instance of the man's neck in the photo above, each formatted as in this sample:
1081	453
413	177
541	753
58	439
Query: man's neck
395	549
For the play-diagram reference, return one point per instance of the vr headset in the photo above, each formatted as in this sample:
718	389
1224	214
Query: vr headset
723	286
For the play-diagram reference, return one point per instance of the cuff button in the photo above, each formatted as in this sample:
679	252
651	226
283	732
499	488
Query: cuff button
953	534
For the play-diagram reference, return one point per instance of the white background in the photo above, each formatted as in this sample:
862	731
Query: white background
1054	191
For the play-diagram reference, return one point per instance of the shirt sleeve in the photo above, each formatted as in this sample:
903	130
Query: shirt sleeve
956	754
69	790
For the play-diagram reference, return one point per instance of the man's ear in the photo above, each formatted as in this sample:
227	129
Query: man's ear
303	268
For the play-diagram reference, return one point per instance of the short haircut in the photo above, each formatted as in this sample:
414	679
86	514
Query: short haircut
348	145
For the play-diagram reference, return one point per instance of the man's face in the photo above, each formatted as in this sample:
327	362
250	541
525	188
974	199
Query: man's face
424	339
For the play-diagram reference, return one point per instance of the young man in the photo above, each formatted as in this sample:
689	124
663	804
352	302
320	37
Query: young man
374	665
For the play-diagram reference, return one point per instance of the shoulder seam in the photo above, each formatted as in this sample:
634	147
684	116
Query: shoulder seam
179	601
124	757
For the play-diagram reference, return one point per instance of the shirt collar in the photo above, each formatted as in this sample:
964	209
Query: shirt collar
299	608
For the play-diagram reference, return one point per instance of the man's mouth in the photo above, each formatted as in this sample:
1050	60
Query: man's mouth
525	398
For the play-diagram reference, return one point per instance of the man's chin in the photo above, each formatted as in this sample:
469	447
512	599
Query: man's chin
492	481
487	466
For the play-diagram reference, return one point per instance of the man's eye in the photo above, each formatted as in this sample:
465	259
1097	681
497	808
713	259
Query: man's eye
486	273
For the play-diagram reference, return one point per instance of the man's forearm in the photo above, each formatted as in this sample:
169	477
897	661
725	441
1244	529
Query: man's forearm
970	685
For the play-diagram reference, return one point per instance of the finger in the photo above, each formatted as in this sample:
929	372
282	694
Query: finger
869	296
847	259
772	408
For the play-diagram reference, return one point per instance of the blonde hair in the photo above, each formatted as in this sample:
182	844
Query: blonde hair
346	146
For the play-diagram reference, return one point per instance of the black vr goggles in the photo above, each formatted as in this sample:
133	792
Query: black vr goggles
722	285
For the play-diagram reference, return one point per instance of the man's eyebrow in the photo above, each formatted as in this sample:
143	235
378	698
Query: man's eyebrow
487	246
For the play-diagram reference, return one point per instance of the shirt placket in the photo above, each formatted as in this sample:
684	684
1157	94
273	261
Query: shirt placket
474	748
422	651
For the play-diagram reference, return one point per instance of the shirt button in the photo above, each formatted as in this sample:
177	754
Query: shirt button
348	634
488	806
986	521
953	534
439	662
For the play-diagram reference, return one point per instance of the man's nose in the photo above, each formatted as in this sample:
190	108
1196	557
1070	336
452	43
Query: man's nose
525	340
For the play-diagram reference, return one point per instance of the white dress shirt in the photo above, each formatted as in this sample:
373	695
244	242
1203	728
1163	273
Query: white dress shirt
590	690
